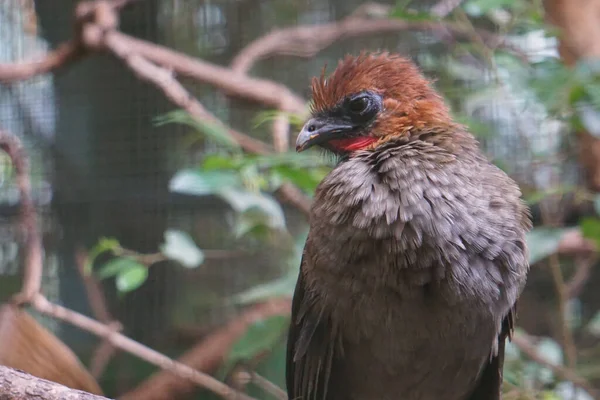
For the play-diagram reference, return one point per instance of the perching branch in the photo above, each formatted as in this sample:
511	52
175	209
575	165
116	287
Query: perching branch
19	385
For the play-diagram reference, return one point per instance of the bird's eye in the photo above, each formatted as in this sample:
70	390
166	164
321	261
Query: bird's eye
359	105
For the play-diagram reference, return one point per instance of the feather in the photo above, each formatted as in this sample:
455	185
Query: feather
311	348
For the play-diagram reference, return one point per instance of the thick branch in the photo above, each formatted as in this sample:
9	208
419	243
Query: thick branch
19	385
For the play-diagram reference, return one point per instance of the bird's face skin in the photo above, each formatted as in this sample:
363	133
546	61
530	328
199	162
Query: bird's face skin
367	101
345	126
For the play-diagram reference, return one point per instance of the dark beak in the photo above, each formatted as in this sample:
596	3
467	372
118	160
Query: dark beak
317	131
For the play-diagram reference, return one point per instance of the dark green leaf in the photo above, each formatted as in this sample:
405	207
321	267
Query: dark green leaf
542	242
304	178
180	247
412	15
132	278
201	183
590	228
261	336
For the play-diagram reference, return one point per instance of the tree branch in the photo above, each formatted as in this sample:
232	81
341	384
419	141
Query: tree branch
307	40
524	344
19	385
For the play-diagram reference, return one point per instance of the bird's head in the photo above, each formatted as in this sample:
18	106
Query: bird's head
369	100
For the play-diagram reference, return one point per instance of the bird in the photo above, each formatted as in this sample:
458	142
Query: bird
416	252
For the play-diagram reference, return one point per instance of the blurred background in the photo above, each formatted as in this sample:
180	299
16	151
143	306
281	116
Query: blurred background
165	223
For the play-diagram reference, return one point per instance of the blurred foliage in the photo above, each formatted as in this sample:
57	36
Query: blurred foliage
533	87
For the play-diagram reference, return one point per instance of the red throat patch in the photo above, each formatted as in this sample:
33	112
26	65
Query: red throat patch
352	144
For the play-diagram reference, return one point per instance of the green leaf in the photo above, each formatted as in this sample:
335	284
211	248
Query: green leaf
256	205
213	130
304	178
542	242
104	244
479	7
180	247
593	326
219	162
201	183
408	14
283	286
589	116
115	266
590	228
132	277
261	336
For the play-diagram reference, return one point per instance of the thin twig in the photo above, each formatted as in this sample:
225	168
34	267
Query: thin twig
563	299
525	345
32	280
64	55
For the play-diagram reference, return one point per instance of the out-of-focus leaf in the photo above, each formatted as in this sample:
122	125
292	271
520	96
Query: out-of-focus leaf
104	244
593	326
180	247
552	353
542	242
568	391
590	228
219	162
261	336
304	178
477	8
573	311
283	286
213	130
132	277
115	266
260	203
407	14
589	115
295	120
201	183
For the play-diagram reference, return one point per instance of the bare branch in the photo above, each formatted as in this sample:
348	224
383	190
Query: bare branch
41	304
32	281
64	55
307	40
525	345
19	385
